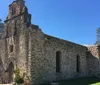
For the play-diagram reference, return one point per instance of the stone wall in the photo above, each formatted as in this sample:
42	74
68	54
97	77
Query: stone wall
16	35
2	50
35	52
22	55
2	61
43	60
93	61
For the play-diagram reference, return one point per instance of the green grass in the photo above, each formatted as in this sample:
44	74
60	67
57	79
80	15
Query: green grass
96	83
80	81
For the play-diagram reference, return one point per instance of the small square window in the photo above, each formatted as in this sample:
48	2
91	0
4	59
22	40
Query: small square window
11	48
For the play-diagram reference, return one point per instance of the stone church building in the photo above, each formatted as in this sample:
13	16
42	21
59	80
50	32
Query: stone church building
44	58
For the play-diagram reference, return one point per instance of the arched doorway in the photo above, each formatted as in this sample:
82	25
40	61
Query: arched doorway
10	72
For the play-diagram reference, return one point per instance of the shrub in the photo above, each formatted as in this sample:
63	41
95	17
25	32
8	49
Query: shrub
18	78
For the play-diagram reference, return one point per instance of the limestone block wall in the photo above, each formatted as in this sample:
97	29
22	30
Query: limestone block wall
43	58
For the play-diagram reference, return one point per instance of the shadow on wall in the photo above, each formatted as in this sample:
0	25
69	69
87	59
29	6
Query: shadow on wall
93	64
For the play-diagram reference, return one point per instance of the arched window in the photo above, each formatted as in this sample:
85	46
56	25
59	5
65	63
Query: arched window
78	63
58	56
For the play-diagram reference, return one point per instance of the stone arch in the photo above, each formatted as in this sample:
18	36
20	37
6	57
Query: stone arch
10	71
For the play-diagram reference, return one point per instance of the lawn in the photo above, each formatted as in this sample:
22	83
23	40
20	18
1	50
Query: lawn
79	81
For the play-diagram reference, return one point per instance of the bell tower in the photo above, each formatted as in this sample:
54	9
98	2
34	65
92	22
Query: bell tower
16	25
17	8
17	16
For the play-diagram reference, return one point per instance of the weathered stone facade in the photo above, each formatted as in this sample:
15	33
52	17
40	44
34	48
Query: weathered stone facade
44	58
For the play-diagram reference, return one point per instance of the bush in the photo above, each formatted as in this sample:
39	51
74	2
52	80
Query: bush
18	78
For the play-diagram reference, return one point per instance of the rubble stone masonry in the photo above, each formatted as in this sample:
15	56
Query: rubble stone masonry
44	58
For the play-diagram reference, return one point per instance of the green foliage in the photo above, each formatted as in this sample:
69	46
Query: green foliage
18	78
1	26
98	37
97	43
21	77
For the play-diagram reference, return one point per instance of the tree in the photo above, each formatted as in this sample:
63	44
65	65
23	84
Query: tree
1	26
98	37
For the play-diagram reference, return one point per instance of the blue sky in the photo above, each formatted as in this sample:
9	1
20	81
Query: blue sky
73	20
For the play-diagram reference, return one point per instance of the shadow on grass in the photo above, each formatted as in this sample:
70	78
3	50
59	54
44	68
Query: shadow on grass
78	81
